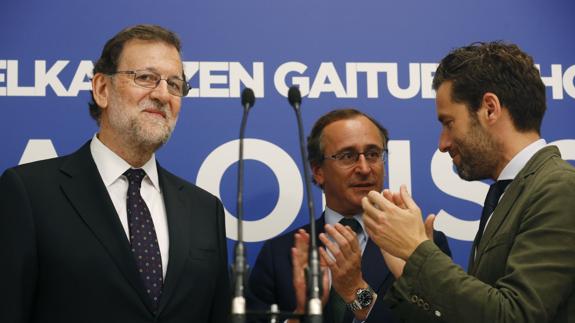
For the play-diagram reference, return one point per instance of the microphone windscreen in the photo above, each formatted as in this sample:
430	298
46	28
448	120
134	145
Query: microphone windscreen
294	96
248	97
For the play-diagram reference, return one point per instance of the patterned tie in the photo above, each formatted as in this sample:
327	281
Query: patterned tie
336	304
491	200
143	238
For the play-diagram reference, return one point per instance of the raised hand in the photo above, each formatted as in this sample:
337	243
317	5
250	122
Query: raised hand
300	254
395	225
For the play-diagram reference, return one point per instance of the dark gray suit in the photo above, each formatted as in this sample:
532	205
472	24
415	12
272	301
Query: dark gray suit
66	258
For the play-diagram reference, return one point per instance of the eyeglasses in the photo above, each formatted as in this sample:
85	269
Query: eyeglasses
349	158
151	80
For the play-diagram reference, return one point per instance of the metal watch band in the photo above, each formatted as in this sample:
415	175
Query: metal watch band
356	304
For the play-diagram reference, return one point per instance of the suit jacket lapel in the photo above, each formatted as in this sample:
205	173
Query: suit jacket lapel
179	223
86	192
497	218
508	201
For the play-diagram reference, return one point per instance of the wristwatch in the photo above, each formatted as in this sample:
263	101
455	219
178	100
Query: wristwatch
363	298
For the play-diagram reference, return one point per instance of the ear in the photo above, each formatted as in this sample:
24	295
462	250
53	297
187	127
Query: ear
318	175
490	108
100	84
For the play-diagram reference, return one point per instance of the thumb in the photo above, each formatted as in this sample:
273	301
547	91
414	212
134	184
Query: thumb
429	226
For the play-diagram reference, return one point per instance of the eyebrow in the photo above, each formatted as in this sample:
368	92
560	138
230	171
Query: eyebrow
350	148
155	70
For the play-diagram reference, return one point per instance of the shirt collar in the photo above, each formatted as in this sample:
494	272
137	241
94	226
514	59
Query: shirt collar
111	166
520	160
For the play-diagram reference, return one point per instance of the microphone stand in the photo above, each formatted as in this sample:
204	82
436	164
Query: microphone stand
314	307
239	301
239	312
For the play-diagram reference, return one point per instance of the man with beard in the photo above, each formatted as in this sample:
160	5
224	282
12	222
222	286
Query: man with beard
346	152
106	234
490	102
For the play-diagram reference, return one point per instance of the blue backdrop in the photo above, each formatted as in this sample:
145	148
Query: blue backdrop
378	56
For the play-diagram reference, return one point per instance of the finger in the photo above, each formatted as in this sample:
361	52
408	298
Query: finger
325	284
409	202
429	226
305	235
369	209
397	200
370	225
322	261
335	234
348	238
336	256
328	259
331	246
347	252
387	194
300	243
380	202
297	264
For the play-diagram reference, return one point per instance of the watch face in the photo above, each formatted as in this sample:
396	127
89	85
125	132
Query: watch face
364	297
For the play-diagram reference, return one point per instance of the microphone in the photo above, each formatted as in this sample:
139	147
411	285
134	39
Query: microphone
239	301
314	308
294	97
248	98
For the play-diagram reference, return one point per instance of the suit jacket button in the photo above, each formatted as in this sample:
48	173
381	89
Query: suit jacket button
426	306
437	313
420	302
414	298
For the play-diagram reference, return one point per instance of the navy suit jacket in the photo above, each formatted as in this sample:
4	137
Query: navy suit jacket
270	281
68	259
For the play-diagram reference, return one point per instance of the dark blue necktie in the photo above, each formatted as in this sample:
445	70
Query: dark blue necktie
143	238
352	223
495	191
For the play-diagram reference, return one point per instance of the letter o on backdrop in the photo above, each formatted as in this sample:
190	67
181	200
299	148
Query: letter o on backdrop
284	168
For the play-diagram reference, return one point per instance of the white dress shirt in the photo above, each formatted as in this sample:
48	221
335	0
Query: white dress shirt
111	168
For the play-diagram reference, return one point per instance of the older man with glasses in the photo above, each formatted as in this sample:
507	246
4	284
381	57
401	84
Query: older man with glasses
347	150
106	234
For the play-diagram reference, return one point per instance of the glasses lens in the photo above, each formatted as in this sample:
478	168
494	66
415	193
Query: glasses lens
350	158
146	79
176	86
347	158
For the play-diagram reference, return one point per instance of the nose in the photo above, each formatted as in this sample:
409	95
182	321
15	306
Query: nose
160	92
444	142
362	166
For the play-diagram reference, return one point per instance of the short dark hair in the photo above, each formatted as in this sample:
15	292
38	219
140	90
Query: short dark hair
500	68
314	142
108	61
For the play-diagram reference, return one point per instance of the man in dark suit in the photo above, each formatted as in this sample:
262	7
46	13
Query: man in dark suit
106	234
491	102
346	151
